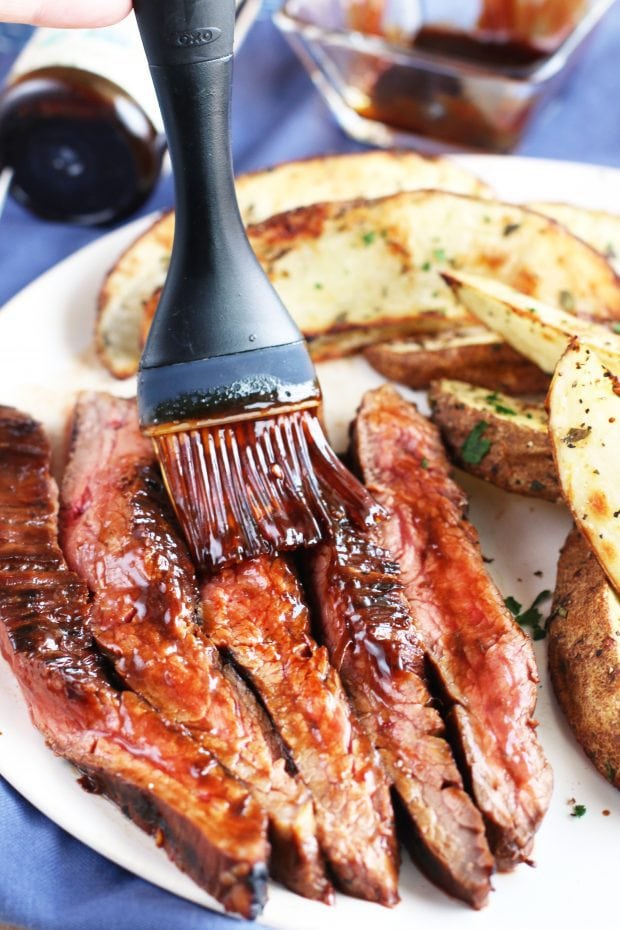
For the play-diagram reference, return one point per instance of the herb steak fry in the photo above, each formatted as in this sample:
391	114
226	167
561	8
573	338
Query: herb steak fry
255	611
367	627
119	535
483	660
171	787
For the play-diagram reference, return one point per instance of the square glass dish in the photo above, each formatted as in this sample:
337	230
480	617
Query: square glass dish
442	90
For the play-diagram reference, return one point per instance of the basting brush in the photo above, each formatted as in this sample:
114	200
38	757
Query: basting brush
226	388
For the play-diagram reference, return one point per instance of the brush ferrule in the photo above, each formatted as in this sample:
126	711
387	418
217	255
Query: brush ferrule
227	387
211	421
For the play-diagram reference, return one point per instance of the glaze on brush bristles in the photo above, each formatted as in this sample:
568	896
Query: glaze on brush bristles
254	487
226	387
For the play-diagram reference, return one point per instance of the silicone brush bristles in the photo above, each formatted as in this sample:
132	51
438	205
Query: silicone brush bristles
254	487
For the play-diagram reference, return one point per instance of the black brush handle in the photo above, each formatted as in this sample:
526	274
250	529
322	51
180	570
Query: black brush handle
216	300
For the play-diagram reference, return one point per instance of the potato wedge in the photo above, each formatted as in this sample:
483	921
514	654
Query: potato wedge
496	437
599	229
346	177
356	273
537	330
584	654
370	270
141	270
475	355
584	427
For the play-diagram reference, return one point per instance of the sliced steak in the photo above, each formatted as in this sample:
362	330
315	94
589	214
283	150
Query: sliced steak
208	822
119	535
365	622
255	611
483	660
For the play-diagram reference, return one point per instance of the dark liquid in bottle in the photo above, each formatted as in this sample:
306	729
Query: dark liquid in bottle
82	150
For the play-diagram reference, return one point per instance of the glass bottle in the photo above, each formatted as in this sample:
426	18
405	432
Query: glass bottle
80	126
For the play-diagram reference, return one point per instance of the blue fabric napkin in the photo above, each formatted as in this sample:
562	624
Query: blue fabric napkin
49	881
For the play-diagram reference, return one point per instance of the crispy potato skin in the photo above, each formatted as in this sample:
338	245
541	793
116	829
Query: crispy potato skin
519	459
584	655
494	365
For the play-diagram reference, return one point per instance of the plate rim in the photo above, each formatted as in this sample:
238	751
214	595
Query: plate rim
87	253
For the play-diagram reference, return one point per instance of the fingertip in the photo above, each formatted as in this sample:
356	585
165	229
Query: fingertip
66	14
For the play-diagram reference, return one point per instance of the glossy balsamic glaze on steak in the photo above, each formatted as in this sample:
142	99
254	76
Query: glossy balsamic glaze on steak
118	534
484	661
256	612
171	787
367	627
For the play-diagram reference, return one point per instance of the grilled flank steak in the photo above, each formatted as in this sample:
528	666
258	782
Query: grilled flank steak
171	787
366	624
483	660
119	535
255	611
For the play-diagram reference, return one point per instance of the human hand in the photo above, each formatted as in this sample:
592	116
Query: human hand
64	13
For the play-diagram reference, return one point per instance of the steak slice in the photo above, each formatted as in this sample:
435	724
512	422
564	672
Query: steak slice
255	611
171	787
368	630
483	660
119	535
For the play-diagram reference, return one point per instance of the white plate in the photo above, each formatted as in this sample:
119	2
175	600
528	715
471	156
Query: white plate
45	338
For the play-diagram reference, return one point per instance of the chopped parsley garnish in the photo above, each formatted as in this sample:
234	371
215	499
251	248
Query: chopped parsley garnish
424	463
567	301
578	810
494	401
440	255
509	228
475	447
426	266
610	772
530	617
369	237
615	327
610	251
508	411
318	286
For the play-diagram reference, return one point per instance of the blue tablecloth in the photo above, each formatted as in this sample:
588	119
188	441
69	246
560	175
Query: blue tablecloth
49	881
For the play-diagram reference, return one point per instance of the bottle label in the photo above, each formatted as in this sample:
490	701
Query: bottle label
112	52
